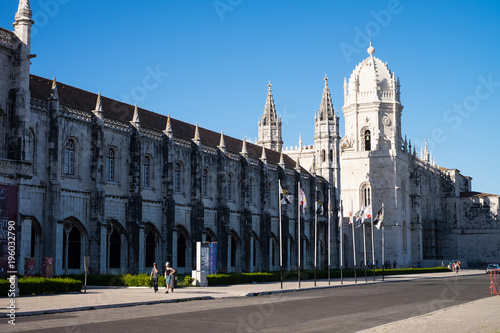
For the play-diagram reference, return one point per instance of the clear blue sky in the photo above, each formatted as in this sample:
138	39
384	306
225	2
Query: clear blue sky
219	56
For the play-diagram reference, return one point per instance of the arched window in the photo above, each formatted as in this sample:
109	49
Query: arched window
323	155
177	177
145	171
204	183
331	155
69	157
115	245
367	140
110	165
229	186
366	194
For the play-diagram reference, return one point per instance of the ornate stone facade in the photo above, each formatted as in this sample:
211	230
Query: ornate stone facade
127	186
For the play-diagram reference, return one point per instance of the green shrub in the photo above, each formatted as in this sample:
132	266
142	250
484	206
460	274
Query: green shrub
188	280
39	285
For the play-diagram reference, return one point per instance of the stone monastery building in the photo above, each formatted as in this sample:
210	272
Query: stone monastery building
84	175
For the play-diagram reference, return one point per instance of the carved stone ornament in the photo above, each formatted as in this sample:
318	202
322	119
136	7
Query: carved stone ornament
386	121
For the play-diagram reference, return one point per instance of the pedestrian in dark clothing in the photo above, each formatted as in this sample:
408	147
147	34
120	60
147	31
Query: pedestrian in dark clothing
155	272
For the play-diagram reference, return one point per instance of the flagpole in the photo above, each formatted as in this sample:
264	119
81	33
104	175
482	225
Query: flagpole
329	220
364	247
371	225
315	231
341	243
383	243
351	219
373	247
281	240
298	240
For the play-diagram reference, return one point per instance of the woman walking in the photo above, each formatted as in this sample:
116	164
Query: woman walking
169	277
155	272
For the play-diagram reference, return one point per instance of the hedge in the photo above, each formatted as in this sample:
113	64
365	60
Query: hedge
39	285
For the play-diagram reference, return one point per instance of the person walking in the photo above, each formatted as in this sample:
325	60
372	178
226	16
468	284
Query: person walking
169	277
155	272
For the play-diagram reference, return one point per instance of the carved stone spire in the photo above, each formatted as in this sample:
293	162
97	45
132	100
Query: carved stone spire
297	166
300	141
24	11
136	122
426	151
270	125
53	90
282	161
222	144
196	138
98	108
326	107
168	128
263	158
244	151
53	102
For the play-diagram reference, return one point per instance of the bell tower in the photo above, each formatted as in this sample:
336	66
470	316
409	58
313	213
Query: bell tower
372	107
327	138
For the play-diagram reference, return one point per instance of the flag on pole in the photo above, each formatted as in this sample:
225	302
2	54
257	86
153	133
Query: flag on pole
341	217
379	219
351	212
285	197
358	218
319	207
330	209
302	200
367	213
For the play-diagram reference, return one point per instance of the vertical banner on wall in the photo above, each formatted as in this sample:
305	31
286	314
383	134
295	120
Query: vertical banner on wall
213	258
8	230
29	266
48	267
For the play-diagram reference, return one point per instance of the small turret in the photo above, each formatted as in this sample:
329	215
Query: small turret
196	138
136	122
168	128
99	113
222	144
244	151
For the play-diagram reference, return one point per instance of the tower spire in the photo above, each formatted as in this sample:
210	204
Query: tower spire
326	107
24	11
270	125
